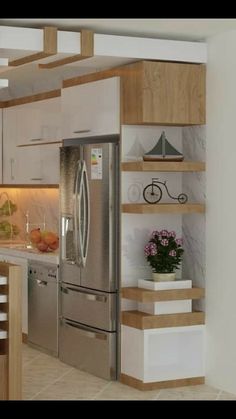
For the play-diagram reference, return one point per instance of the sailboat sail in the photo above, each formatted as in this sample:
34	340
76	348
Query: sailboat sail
163	150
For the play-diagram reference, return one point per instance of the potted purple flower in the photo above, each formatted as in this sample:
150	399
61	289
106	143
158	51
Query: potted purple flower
164	253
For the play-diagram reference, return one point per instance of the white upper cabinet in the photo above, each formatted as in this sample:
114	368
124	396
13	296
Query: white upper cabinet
1	145
27	130
91	108
39	122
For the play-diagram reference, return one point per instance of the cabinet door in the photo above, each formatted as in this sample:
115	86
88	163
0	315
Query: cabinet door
10	160
91	109
25	126
39	121
163	93
24	265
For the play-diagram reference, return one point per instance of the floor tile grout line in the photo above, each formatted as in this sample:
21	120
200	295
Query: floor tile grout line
53	382
100	391
31	360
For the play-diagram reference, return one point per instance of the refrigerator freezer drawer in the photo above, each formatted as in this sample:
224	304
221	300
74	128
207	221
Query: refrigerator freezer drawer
88	349
92	308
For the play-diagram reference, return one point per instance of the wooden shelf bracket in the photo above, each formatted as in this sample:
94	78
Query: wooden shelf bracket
49	48
86	48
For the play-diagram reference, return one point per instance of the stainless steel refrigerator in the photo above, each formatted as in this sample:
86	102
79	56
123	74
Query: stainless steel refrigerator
89	254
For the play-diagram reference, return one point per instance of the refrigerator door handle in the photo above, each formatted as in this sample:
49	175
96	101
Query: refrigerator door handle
86	202
86	333
88	296
77	212
65	220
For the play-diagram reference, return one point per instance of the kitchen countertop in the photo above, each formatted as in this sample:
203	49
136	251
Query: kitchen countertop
31	254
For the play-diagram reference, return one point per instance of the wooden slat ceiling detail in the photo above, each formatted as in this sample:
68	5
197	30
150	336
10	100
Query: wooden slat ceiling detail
49	48
86	48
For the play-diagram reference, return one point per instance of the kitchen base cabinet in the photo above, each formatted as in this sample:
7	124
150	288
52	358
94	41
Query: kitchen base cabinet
155	358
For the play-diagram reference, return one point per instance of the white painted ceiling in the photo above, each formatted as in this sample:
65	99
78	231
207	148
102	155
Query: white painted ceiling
28	79
179	29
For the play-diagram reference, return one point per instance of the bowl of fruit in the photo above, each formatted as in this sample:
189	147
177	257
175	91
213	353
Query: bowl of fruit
44	241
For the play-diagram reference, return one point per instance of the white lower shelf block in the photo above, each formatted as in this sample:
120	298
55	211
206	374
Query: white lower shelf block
164	354
3	298
165	285
3	316
166	307
3	334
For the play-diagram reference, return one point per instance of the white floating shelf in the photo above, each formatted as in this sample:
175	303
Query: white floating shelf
3	280
3	334
3	298
3	316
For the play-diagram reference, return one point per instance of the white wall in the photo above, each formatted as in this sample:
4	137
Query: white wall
221	212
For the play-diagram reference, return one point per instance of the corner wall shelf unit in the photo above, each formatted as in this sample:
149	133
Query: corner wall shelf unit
163	166
10	332
144	208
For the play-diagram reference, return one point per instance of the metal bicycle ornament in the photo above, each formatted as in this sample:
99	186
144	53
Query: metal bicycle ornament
152	193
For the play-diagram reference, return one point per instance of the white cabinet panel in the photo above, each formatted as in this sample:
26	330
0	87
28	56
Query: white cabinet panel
171	353
91	108
24	265
29	125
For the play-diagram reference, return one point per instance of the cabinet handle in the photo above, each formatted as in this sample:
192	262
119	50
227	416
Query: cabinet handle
36	178
12	161
81	131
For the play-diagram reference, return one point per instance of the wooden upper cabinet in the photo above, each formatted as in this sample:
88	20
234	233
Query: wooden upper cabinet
163	93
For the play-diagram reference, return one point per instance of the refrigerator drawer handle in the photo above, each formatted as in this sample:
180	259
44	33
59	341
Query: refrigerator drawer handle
81	131
41	283
93	335
88	296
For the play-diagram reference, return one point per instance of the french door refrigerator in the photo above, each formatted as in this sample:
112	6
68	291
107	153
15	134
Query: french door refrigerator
89	254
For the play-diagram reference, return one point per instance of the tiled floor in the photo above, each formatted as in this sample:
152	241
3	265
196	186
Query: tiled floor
46	378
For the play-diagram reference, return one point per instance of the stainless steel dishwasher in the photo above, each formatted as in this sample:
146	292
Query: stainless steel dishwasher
43	306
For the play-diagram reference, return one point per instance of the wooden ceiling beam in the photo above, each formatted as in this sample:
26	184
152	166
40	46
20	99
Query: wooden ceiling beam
49	48
86	47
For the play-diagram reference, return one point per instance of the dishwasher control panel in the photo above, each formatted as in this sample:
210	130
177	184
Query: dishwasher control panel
43	271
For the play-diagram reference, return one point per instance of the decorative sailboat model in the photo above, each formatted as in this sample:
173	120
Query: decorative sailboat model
163	151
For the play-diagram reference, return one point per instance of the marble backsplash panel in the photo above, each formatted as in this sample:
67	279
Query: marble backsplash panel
41	205
193	225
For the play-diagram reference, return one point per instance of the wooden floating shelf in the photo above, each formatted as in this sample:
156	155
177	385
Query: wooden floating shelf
144	295
162	208
140	320
163	166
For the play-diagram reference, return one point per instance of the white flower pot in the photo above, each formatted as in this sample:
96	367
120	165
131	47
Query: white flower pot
163	276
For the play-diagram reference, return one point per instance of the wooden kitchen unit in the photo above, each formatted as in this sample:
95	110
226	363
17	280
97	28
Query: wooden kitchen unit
10	332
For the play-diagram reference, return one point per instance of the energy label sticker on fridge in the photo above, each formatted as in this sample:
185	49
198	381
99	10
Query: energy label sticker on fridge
96	163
